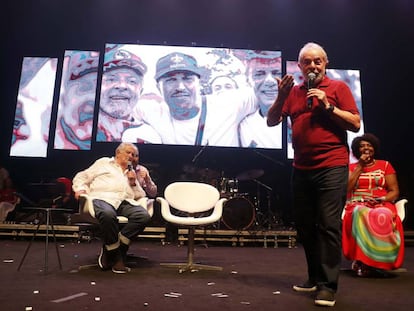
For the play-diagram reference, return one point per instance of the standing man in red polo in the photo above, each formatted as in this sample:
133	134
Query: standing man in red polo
321	111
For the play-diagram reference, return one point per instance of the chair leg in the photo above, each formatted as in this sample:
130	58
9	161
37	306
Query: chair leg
190	248
190	265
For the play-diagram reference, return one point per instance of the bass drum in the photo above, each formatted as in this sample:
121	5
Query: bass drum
238	214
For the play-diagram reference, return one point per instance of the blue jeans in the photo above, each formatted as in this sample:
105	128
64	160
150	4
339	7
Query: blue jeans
106	215
318	199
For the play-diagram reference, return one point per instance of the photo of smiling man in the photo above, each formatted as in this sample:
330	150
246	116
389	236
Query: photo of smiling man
121	88
262	69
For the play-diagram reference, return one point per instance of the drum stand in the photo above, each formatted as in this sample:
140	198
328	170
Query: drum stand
262	220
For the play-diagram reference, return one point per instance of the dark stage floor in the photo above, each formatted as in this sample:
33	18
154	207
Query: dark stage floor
253	278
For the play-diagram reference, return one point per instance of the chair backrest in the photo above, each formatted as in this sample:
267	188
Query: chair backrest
400	206
191	197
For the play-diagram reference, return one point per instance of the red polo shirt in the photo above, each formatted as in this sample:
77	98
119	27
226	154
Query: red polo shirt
317	140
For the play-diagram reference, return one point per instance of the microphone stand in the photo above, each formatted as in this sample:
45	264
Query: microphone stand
199	153
270	215
269	158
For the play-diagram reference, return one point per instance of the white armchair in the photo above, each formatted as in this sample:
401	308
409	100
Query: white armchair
191	198
8	202
400	205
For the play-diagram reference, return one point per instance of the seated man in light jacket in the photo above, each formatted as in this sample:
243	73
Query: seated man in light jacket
112	185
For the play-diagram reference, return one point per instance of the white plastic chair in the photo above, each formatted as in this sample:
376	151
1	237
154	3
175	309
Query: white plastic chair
400	205
6	208
191	198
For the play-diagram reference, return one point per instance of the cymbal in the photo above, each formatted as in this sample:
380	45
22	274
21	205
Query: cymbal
188	168
207	173
151	164
251	174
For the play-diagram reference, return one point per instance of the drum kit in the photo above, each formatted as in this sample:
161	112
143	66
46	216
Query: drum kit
239	212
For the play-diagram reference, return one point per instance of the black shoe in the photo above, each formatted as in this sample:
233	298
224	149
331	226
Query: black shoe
325	298
307	287
365	271
119	267
356	265
103	260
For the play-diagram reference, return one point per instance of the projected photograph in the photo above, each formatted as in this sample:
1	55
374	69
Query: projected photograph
188	96
74	123
34	106
350	77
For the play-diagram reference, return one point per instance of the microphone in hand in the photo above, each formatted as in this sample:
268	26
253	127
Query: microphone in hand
131	174
311	80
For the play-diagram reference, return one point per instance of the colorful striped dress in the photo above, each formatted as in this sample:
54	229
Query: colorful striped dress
372	233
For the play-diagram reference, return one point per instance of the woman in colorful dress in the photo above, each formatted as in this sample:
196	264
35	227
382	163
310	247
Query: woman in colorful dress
372	232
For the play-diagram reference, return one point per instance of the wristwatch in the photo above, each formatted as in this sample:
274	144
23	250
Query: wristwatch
330	108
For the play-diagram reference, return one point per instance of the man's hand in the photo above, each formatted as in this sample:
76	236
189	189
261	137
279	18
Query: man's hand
132	177
143	172
320	95
285	85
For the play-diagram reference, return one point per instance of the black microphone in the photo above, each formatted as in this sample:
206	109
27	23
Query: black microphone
130	168
311	80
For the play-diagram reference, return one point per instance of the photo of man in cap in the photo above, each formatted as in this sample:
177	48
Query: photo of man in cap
77	100
187	116
121	88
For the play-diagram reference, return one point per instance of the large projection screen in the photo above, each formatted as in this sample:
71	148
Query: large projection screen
30	136
188	96
156	94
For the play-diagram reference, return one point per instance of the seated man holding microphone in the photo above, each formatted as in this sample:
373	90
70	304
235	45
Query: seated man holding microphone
113	186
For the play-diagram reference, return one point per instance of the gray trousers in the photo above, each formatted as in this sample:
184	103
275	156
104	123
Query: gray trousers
106	215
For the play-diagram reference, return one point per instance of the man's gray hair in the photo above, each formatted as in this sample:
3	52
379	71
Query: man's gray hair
123	146
312	45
